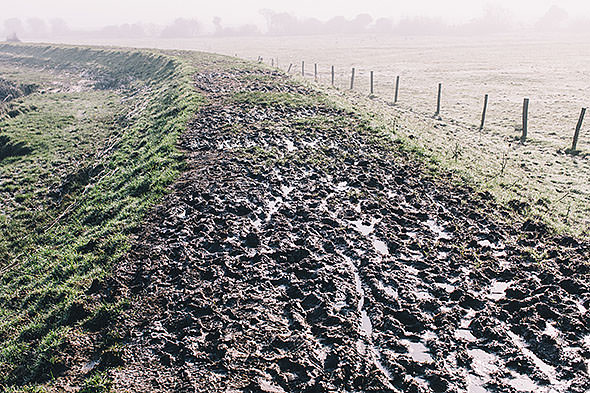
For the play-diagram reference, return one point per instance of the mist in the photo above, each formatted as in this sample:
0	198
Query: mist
453	18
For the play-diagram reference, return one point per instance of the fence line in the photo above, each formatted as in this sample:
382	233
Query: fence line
525	107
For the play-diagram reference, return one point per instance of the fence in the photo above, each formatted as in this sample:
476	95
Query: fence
397	91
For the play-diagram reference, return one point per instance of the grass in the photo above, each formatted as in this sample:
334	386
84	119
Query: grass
98	158
537	179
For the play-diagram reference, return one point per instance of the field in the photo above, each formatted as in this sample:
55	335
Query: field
552	71
184	221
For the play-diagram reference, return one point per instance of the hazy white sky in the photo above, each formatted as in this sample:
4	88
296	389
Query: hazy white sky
85	13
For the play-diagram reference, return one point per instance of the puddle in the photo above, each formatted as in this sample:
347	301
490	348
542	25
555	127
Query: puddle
438	230
581	308
464	334
381	247
389	291
366	324
286	190
342	186
418	351
447	287
498	290
290	145
273	207
366	230
545	368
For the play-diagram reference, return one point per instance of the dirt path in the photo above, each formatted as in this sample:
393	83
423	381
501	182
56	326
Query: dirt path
300	252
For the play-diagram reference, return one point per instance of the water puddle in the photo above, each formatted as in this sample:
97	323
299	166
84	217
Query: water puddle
273	207
418	351
438	230
366	324
89	366
464	334
380	247
389	291
548	370
498	290
290	145
286	190
342	186
365	230
447	287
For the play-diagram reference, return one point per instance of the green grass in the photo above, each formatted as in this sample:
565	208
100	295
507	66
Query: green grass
97	160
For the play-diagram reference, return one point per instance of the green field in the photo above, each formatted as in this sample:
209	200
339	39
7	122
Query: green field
85	153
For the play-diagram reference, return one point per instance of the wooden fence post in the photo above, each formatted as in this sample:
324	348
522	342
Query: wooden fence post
332	75
352	79
396	89
372	90
315	72
483	115
525	120
302	68
289	70
578	128
438	100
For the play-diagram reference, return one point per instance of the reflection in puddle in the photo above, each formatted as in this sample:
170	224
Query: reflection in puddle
365	323
438	230
364	229
447	287
286	190
418	351
290	144
273	207
465	334
381	247
548	370
498	290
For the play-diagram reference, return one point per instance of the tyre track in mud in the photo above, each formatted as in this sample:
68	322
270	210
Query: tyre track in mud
299	253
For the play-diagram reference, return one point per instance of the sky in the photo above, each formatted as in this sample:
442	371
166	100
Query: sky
91	14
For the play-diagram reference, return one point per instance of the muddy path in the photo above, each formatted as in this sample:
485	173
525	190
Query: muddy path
304	251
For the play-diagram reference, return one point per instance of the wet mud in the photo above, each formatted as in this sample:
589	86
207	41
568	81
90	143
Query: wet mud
303	251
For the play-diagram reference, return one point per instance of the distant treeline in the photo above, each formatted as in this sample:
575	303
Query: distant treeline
494	20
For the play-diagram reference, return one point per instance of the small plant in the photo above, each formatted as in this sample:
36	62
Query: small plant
457	152
504	163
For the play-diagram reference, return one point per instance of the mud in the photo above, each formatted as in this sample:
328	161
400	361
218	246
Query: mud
303	251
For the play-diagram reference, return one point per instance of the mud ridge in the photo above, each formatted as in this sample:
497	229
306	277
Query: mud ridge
303	251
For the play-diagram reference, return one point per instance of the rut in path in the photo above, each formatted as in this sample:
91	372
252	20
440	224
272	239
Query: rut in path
303	251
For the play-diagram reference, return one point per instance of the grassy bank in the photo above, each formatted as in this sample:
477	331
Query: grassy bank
98	148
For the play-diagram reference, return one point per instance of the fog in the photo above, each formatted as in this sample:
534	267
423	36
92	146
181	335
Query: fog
42	20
